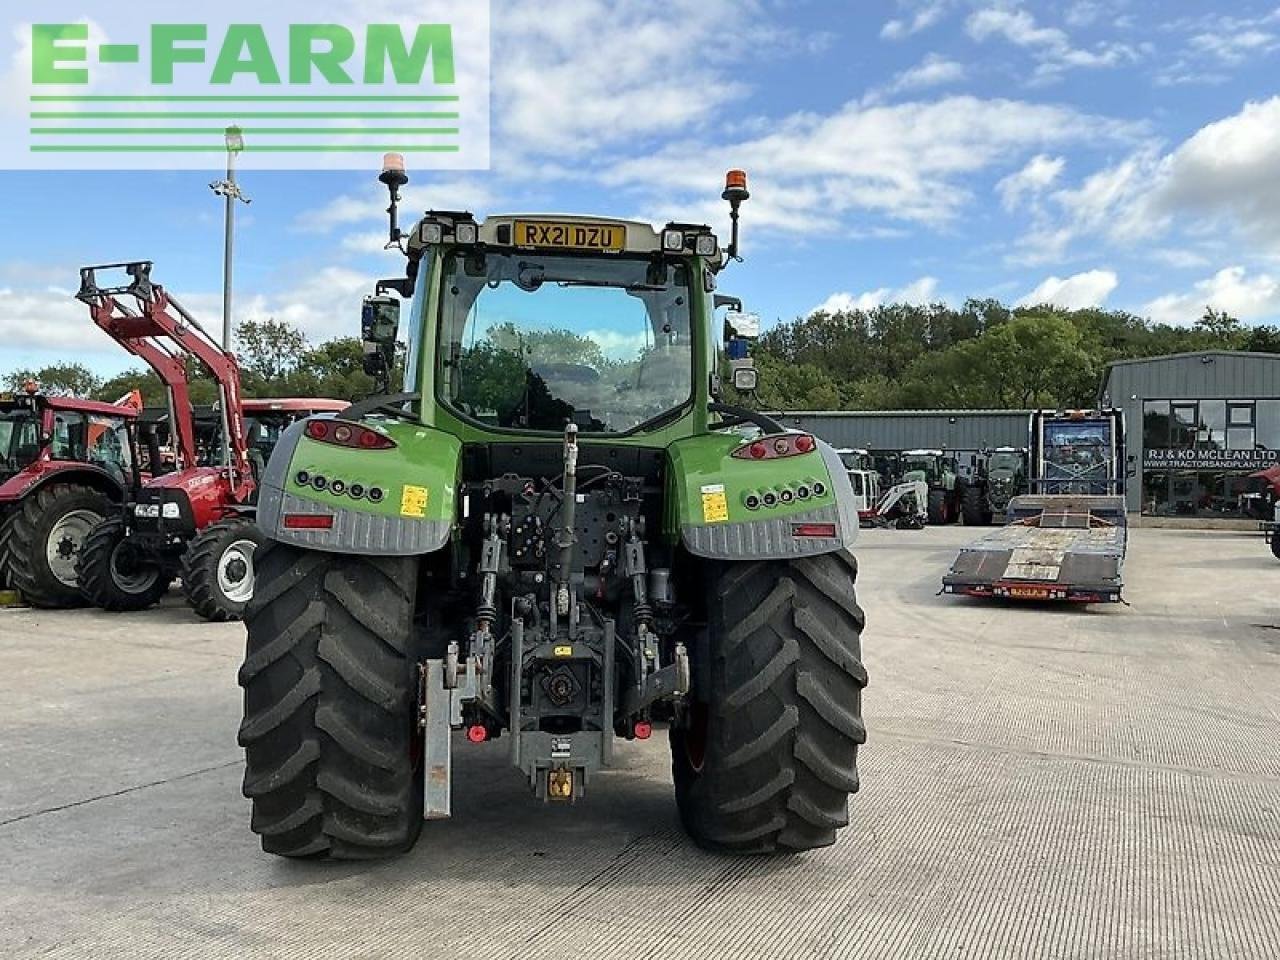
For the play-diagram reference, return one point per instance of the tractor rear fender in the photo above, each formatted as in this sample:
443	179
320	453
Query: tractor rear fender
38	475
728	508
396	501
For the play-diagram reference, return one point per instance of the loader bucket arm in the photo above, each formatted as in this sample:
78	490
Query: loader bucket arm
156	328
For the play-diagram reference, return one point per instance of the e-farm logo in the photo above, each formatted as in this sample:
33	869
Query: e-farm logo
290	93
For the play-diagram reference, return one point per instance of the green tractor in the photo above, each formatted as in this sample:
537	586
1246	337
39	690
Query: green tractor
558	535
998	476
939	471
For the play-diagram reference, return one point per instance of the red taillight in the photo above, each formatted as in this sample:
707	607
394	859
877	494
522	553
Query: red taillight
477	733
826	531
308	521
644	730
777	447
343	434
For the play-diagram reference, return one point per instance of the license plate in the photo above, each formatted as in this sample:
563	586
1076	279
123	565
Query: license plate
552	234
1029	593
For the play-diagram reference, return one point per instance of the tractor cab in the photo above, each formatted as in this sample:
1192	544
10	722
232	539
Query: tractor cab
21	427
940	472
65	463
863	478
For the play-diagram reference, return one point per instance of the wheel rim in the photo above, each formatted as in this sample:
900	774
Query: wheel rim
62	549
235	571
127	574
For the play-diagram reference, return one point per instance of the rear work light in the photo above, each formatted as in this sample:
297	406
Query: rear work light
826	531
308	521
776	447
343	434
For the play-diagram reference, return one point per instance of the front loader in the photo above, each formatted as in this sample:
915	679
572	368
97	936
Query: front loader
194	519
558	536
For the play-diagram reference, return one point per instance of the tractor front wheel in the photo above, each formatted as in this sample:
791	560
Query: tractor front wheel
115	574
766	756
938	508
217	569
333	753
44	537
974	508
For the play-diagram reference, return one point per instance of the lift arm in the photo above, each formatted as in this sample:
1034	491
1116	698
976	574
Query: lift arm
158	330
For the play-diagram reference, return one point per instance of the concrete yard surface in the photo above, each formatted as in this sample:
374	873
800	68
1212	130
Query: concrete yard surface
1040	782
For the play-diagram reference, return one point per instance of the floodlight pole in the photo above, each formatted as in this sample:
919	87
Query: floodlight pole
229	189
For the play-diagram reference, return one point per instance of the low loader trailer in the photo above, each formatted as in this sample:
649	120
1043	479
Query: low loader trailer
1055	548
1065	540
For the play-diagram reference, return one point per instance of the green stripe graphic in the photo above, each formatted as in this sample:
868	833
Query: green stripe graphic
249	148
267	115
265	98
218	131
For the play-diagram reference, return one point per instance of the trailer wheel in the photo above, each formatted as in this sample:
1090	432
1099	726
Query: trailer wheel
974	508
43	539
333	754
766	762
115	575
217	569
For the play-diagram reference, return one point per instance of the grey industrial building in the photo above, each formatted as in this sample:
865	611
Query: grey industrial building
957	431
1198	425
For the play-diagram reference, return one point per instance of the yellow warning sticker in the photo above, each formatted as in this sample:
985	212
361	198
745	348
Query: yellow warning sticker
715	506
413	501
563	651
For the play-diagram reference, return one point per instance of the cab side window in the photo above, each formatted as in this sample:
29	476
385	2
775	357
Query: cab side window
68	436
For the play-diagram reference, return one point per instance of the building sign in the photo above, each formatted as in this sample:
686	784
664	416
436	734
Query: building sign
1244	461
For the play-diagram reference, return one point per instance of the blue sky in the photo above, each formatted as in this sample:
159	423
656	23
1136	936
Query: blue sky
1124	153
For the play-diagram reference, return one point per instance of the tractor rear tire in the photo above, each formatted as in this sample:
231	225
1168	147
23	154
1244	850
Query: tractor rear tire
1275	544
333	753
109	579
217	569
974	508
60	512
767	758
6	521
938	508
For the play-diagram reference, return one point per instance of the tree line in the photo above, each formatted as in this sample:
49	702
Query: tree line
900	356
981	355
276	360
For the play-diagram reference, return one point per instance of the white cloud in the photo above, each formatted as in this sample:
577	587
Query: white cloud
920	291
934	70
1233	289
1040	173
1077	292
909	162
1223	180
1234	48
1084	13
922	19
593	75
1051	46
368	208
325	304
1216	41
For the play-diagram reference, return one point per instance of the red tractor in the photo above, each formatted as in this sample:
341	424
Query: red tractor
65	465
197	519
